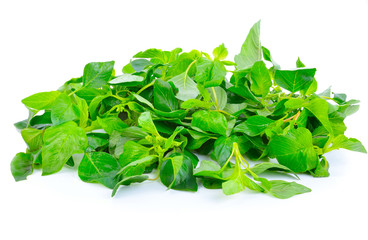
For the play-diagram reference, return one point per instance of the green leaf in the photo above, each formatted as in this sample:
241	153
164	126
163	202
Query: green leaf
164	98
21	166
351	144
33	138
208	169
129	180
210	73
235	185
97	74
132	151
313	87
60	143
251	50
319	108
295	103
218	96
260	78
63	110
137	167
195	103
267	56
210	121
222	148
41	101
170	169
243	91
254	125
220	53
295	150
187	88
170	141
295	80
322	169
95	142
282	189
98	167
177	173
145	121
269	166
112	123
238	182
83	111
127	80
150	53
95	104
143	100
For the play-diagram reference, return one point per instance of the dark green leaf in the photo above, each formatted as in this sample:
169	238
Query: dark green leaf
98	167
21	166
164	98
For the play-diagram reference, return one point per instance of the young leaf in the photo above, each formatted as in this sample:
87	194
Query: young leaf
220	53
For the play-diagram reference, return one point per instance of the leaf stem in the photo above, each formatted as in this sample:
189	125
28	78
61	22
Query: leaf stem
187	70
215	96
74	91
145	87
295	117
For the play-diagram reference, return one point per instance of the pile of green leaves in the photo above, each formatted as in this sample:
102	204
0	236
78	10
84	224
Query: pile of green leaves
150	121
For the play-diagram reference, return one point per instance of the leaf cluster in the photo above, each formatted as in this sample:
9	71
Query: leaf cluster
151	120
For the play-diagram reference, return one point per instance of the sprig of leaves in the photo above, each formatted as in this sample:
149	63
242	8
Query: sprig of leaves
150	121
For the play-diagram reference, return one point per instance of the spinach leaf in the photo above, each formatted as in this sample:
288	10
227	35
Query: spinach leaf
21	166
98	167
251	50
210	121
60	143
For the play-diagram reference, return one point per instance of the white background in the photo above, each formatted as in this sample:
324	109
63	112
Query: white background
44	43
